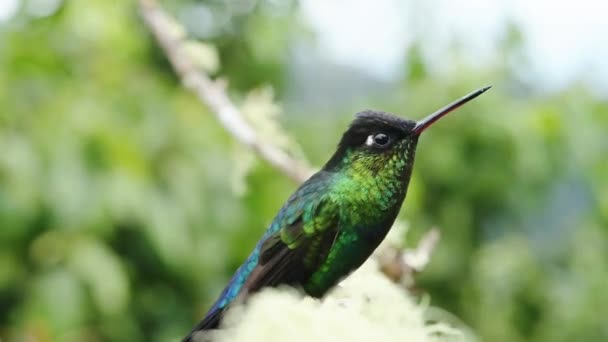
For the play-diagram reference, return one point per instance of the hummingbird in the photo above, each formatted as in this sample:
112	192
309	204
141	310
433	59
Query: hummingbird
334	221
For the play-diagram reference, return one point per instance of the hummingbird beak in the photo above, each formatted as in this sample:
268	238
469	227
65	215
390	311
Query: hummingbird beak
430	119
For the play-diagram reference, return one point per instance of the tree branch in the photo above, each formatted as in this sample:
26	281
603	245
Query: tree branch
213	93
400	265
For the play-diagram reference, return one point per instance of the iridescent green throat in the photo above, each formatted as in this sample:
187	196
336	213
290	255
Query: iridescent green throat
369	185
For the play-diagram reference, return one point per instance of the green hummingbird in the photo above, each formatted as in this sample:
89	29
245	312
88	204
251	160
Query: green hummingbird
334	221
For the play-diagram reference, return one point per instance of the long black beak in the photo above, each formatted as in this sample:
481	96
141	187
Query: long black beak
430	119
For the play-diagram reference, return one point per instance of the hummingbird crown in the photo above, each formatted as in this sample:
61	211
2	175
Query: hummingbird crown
371	122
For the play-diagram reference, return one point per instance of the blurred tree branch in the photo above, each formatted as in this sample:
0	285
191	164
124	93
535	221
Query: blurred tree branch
169	34
400	264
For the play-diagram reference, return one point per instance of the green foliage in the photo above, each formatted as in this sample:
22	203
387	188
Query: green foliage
108	172
118	219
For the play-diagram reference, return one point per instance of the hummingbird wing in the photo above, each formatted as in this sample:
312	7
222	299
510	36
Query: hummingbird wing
308	226
277	264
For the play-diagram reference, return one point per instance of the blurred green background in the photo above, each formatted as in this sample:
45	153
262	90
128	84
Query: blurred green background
125	207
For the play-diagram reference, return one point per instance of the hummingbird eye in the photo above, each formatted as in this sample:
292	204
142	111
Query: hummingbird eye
379	139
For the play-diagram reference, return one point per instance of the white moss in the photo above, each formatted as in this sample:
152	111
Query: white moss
364	307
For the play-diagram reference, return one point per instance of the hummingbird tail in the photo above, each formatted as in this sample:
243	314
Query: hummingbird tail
210	322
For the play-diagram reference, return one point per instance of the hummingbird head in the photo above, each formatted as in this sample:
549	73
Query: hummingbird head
381	144
373	139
